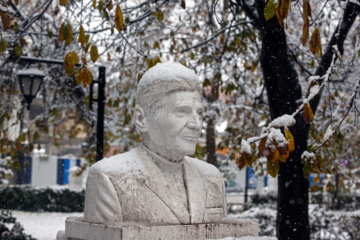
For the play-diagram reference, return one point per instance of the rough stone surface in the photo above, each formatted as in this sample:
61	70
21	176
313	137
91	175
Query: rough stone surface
77	228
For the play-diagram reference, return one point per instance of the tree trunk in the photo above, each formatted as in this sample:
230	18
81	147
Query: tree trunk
283	91
210	143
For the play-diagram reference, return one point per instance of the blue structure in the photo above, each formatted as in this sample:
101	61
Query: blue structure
63	167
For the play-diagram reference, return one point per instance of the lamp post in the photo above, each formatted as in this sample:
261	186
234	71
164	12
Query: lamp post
30	81
101	81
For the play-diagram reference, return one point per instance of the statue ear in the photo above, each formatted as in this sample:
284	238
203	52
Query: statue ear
140	119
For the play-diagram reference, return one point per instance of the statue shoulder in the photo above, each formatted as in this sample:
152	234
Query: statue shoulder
118	164
204	167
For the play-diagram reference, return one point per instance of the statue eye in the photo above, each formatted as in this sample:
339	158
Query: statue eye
182	110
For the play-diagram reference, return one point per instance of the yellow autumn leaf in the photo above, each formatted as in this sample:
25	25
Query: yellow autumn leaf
84	77
283	10
273	155
119	19
283	148
61	30
262	147
70	59
247	158
89	78
94	55
307	3
81	38
83	60
78	75
63	2
308	114
290	139
284	157
240	162
110	6
6	20
305	33
74	57
87	46
153	61
315	43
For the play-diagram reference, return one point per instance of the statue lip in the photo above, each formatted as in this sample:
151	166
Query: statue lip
192	138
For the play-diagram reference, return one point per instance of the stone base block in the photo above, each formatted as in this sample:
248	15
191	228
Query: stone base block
77	229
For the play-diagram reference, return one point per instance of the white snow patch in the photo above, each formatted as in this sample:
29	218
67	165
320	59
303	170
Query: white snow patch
126	160
43	226
162	71
314	90
3	9
285	120
31	71
275	134
307	154
245	147
329	132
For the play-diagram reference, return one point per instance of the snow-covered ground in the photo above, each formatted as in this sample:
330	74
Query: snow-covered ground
42	226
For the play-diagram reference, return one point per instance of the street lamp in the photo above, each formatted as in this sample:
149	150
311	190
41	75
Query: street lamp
30	81
101	82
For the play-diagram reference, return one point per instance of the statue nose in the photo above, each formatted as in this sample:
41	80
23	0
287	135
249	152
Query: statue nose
195	122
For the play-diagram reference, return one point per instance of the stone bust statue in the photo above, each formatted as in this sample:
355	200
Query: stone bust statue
157	182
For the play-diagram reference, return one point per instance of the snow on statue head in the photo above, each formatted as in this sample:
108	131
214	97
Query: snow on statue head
169	108
164	79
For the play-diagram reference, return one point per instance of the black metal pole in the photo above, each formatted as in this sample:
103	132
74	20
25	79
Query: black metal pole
100	123
246	184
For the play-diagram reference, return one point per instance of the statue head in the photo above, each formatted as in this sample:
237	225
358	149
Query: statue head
168	110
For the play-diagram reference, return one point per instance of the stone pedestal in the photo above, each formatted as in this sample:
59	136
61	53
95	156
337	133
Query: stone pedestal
77	229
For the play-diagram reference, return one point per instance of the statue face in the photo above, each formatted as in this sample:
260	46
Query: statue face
174	131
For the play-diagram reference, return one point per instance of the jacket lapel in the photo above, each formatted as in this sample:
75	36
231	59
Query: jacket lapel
196	192
156	182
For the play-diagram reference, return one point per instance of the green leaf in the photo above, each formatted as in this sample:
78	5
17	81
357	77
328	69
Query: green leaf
273	168
159	16
15	26
101	6
269	10
67	33
36	136
206	82
18	51
94	55
82	38
3	45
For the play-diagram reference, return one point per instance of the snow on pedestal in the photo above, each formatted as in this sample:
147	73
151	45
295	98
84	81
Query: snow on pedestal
228	228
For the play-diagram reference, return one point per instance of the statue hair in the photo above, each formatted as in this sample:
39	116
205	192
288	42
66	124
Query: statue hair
157	84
